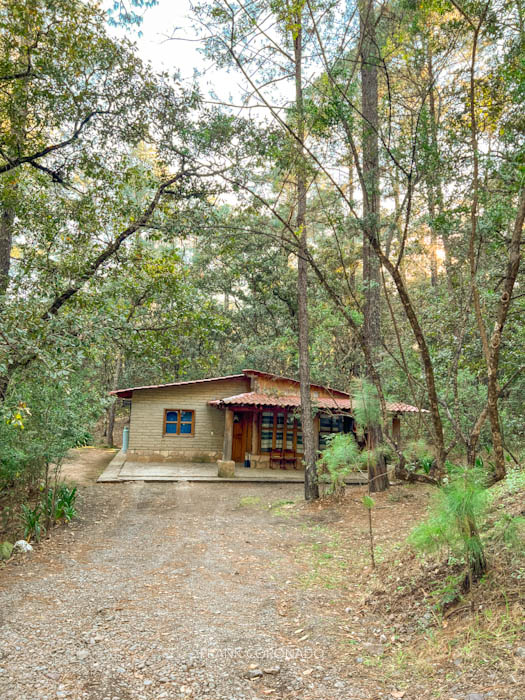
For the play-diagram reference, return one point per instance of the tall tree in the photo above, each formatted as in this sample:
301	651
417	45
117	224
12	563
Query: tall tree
231	33
369	61
311	487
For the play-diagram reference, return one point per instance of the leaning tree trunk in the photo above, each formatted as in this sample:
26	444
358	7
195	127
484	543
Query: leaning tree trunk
311	486
513	266
377	473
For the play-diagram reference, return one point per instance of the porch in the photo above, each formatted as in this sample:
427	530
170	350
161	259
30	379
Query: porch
263	431
270	437
120	470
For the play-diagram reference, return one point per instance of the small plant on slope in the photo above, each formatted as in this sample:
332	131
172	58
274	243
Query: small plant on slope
65	503
367	414
30	519
453	521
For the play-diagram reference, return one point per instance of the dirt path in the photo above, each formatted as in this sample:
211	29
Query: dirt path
84	465
185	591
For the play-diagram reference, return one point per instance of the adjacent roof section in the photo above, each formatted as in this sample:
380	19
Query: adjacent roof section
399	407
253	398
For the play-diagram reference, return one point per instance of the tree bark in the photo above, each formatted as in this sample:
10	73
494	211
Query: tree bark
311	486
490	350
513	266
112	408
433	187
369	59
7	217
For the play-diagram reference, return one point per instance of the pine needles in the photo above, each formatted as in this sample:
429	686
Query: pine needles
453	521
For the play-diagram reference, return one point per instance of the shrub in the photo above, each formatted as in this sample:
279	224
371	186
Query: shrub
452	524
41	419
83	439
418	455
65	504
337	461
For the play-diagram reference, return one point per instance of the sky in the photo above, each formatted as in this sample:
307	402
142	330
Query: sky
169	41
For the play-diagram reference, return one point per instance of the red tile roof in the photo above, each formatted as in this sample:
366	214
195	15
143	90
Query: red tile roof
398	407
253	398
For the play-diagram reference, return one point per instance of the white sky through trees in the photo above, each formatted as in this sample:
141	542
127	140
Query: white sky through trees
168	39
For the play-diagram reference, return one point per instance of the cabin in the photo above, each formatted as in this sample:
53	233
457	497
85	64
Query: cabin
252	419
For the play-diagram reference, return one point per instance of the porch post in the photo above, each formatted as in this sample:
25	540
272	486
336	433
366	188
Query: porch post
255	433
396	430
228	435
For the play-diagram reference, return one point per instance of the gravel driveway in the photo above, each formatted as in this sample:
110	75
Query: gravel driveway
168	591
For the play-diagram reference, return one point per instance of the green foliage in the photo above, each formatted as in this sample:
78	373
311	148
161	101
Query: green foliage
368	502
61	407
514	482
65	503
337	461
418	455
453	522
84	439
365	403
30	519
509	530
59	503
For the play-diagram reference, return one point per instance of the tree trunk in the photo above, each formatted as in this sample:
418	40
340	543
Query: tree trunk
7	217
490	351
311	486
112	408
432	173
377	473
493	392
476	561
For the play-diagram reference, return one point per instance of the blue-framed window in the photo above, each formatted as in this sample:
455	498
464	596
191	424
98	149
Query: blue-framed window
179	421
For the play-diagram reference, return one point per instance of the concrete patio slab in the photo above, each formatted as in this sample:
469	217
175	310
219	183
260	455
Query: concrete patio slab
119	469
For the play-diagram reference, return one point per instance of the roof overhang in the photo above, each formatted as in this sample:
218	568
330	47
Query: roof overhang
255	399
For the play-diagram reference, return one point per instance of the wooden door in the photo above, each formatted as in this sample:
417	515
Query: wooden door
241	444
